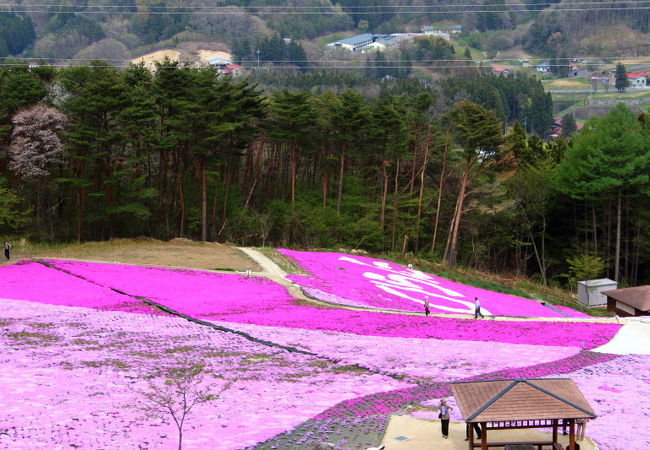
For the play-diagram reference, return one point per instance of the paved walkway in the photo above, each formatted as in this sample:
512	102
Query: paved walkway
632	338
410	433
268	266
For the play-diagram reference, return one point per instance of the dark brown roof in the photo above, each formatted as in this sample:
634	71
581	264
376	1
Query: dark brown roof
638	297
520	399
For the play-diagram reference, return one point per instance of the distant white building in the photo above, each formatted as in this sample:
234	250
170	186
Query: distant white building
638	79
354	43
431	31
219	63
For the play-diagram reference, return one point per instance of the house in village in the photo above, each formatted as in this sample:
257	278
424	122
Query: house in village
226	67
500	71
383	42
431	31
638	79
544	67
578	71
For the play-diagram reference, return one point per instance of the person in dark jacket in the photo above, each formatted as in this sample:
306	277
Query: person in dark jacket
7	247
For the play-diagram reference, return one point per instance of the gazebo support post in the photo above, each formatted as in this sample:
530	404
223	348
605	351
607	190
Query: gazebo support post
554	431
470	433
572	434
484	445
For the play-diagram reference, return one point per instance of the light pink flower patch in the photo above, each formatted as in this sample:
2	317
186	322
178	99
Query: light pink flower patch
439	360
356	280
67	378
619	393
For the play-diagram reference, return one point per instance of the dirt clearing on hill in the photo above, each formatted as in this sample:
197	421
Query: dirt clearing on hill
145	252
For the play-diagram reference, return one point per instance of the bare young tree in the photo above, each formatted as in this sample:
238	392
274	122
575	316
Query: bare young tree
175	391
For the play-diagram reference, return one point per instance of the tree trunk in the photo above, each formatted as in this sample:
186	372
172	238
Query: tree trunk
181	200
294	171
617	251
80	221
450	253
421	193
226	193
339	198
325	188
394	218
593	218
213	214
384	196
204	203
440	186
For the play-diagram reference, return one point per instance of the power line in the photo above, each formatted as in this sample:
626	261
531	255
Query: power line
297	11
478	61
365	7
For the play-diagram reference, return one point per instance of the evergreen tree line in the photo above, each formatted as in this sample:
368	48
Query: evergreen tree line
16	33
92	153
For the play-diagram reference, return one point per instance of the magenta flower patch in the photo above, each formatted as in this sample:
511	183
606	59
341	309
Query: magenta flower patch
233	298
360	281
30	280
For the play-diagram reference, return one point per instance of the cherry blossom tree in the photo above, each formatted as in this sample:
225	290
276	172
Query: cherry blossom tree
36	148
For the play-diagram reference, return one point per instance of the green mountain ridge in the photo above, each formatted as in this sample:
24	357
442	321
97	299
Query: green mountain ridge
118	29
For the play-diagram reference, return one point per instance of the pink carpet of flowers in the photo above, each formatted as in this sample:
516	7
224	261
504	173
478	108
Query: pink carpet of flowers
234	298
66	375
360	281
434	359
619	392
76	338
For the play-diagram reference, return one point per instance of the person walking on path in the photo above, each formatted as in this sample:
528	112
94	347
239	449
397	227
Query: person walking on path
444	417
426	306
477	308
7	247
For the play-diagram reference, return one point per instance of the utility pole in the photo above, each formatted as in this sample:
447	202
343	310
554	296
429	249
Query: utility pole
258	58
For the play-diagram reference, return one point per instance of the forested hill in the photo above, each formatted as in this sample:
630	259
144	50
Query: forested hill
69	28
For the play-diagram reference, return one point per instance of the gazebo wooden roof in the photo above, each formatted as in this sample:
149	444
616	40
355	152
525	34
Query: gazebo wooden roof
521	403
521	399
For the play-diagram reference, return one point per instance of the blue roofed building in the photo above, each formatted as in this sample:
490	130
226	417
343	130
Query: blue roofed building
354	43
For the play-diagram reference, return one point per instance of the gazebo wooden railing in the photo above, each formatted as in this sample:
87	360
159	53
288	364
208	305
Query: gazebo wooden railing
521	404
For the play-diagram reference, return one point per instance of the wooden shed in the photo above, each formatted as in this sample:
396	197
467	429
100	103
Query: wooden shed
521	403
633	301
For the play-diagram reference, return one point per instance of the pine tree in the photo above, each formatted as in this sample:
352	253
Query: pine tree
622	81
568	125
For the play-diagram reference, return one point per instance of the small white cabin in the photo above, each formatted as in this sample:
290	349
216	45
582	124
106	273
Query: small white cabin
590	291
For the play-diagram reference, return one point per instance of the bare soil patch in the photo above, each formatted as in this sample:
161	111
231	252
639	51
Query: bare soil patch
150	59
147	252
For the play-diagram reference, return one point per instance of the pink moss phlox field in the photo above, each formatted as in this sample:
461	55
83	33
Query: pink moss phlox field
366	323
202	290
29	280
434	359
357	280
619	392
428	394
234	298
67	377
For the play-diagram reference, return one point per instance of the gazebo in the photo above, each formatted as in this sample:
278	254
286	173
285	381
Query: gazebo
521	403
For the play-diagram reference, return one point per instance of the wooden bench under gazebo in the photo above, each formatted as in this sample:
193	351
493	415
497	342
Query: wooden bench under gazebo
518	404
